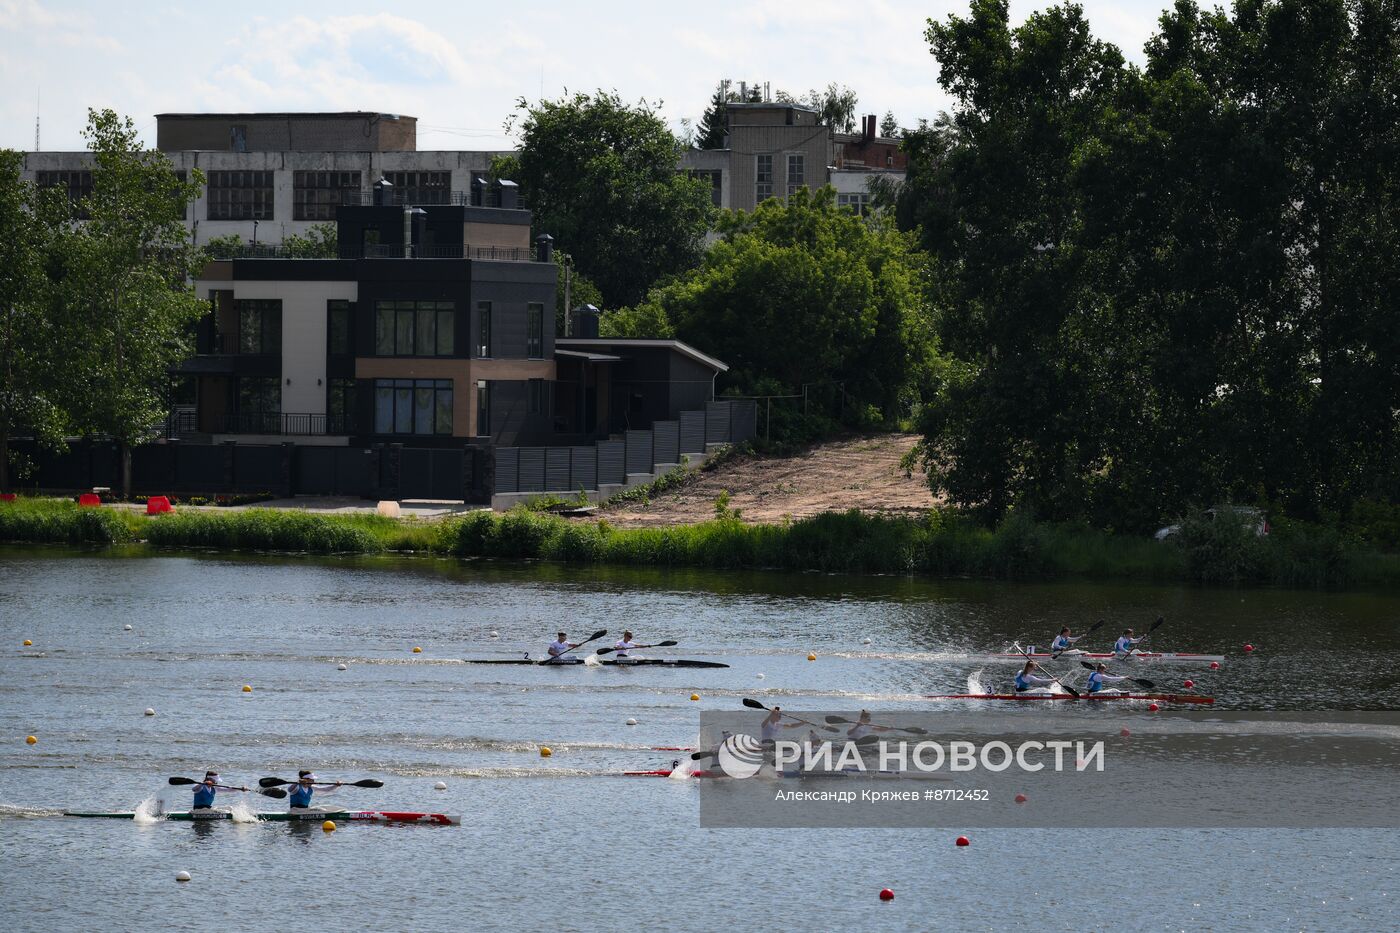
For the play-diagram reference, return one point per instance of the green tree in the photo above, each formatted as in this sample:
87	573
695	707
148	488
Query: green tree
889	126
128	288
600	176
712	129
572	291
803	292
321	242
33	225
835	106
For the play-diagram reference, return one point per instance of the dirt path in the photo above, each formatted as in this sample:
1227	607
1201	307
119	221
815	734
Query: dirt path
861	473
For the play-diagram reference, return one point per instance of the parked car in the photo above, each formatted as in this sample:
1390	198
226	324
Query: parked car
1246	515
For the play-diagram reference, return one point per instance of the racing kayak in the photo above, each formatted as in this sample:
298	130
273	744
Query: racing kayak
1168	657
345	816
790	774
1105	695
617	662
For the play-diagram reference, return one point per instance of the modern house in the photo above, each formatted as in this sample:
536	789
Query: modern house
432	341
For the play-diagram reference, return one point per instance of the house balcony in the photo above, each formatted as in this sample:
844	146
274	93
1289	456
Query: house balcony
188	423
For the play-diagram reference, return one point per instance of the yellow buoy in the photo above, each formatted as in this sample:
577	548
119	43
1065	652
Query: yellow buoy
247	688
811	657
546	751
695	696
27	643
417	650
328	826
29	739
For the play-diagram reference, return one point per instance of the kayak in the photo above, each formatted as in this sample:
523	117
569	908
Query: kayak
1167	657
1105	695
346	816
617	662
805	775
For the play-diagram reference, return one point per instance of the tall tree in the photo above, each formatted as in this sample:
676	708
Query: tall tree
600	176
33	224
714	122
889	126
835	106
129	287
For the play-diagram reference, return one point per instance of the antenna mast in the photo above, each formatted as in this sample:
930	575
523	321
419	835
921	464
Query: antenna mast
36	121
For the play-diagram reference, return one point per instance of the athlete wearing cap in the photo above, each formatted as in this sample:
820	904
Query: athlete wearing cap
204	793
625	645
1099	677
301	791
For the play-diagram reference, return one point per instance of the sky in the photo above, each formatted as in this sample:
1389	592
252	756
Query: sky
460	67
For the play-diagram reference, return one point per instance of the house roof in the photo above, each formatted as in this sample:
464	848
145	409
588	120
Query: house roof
678	346
590	357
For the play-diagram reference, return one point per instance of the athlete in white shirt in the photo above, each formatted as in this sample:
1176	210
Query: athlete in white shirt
561	645
625	645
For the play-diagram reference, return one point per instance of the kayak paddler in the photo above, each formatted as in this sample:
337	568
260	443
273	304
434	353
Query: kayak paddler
1100	676
1126	643
561	645
1063	641
1027	679
862	728
768	732
299	797
205	792
625	645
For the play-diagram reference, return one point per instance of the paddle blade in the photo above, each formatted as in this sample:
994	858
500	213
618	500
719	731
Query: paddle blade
914	730
179	781
1068	689
367	782
605	651
665	644
697	756
1157	624
271	782
1145	683
598	634
276	793
751	704
1095	627
1087	666
831	728
837	719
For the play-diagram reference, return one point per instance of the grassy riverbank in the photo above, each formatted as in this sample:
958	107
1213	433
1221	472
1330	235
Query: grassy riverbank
939	543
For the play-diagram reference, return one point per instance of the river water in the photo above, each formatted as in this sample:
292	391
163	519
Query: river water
566	842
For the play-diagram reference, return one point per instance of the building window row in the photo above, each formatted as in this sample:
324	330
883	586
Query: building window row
420	187
340	328
795	174
239	195
413	406
763	178
414	328
316	195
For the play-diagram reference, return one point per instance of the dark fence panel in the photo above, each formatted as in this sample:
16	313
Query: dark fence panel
692	432
716	422
415	474
334	471
639	458
743	420
153	468
507	470
532	469
666	436
204	467
612	465
556	468
449	481
583	468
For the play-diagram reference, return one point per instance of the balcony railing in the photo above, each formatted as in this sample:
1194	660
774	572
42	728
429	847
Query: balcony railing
427	197
385	251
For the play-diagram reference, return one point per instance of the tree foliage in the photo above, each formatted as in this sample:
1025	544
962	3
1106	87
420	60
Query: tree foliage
1167	286
127	290
600	176
803	292
889	126
835	106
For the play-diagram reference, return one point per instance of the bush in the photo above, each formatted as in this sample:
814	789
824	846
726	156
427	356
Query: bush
263	530
57	521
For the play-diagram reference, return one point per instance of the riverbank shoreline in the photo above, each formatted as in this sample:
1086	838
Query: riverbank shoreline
939	543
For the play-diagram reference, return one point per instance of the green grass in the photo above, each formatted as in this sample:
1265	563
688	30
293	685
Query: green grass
937	543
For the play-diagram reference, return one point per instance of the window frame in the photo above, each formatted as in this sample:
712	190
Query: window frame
240	194
407	415
799	160
762	177
343	306
534	330
483	330
317	193
398	331
268	340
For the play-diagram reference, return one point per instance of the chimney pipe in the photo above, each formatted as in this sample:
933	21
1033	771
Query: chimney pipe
870	126
544	248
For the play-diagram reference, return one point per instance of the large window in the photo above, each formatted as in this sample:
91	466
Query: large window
414	328
858	202
77	183
795	175
483	323
340	329
763	178
534	331
316	195
413	406
340	406
421	187
240	196
483	409
259	401
259	325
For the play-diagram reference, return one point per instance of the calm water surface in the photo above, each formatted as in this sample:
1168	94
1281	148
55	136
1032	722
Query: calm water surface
566	842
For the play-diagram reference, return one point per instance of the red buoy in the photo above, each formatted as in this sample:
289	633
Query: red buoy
1124	732
1248	648
1020	798
1215	665
1152	707
89	500
886	894
1188	684
964	841
157	505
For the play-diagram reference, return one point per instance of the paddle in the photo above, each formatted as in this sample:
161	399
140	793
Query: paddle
594	637
367	782
1141	683
864	741
913	730
659	644
754	704
1067	688
1155	625
1091	630
273	792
